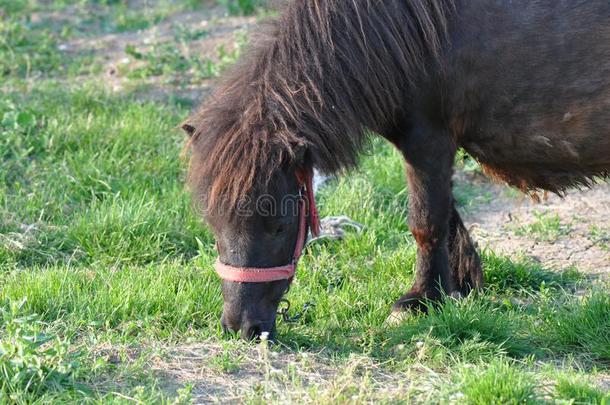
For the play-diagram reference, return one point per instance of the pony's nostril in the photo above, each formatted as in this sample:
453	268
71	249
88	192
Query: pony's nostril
226	326
252	331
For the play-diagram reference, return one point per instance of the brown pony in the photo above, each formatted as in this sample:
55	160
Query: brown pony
522	85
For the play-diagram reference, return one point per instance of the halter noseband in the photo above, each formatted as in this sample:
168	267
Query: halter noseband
307	206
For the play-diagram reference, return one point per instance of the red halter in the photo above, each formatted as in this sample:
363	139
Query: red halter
307	205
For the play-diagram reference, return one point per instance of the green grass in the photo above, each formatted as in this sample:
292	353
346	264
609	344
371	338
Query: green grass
497	383
505	275
25	51
600	237
546	227
576	391
242	7
104	267
582	326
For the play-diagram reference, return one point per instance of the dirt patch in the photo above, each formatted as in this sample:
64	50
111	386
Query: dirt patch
197	34
558	233
219	374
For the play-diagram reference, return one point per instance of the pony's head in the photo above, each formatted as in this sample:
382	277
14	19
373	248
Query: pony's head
260	212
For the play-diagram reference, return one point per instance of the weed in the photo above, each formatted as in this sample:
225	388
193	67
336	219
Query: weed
510	276
468	330
31	361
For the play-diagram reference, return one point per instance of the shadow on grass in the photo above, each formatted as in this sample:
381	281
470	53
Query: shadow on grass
579	327
470	329
479	327
504	275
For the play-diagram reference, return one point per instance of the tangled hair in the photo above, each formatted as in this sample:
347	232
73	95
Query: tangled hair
310	85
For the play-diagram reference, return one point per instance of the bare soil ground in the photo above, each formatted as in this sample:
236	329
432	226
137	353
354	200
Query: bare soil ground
262	374
559	233
110	48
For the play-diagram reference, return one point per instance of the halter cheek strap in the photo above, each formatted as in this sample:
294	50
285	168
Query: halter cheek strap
307	206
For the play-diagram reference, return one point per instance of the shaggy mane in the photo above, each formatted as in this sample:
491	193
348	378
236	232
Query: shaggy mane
310	85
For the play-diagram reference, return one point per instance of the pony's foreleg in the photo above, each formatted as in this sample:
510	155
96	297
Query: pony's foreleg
429	157
464	261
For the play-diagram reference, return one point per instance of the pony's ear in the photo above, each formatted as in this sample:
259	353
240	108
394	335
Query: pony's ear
299	158
301	155
188	128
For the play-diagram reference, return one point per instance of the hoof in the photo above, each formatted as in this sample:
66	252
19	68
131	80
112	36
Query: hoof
416	302
396	318
410	303
456	295
413	301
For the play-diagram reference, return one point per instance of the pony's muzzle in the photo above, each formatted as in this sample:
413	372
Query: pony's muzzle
249	329
254	330
227	325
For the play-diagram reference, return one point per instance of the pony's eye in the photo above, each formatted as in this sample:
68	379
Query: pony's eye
278	227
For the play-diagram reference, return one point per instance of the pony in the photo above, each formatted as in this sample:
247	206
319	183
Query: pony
523	86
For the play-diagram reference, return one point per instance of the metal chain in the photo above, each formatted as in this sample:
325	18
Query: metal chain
283	311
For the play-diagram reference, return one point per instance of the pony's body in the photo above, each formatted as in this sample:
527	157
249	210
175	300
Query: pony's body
529	89
524	86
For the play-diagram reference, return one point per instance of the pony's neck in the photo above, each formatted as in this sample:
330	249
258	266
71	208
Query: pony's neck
336	68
